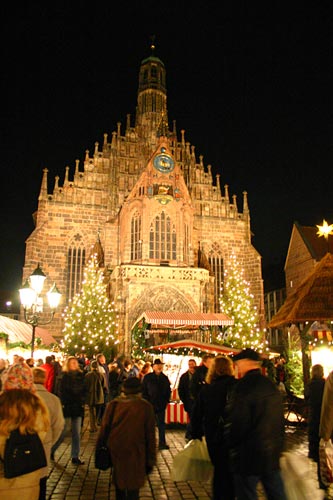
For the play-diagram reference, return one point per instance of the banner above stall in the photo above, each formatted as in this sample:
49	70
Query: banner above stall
192	347
177	320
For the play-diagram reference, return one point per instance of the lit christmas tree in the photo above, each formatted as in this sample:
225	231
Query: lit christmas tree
237	302
91	321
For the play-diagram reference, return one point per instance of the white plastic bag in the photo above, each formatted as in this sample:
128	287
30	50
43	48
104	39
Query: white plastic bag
192	463
298	479
326	461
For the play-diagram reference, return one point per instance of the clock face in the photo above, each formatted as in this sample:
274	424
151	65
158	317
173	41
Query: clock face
164	163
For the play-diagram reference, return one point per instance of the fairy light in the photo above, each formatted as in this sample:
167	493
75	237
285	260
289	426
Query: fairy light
237	301
90	317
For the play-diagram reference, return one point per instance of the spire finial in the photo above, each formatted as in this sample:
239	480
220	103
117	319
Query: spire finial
152	44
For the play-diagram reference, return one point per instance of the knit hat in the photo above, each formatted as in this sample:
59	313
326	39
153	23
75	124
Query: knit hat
132	386
247	354
18	376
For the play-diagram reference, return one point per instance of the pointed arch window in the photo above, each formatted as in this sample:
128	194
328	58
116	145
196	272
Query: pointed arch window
216	264
76	260
162	238
136	242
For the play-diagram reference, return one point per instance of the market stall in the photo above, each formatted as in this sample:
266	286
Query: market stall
175	355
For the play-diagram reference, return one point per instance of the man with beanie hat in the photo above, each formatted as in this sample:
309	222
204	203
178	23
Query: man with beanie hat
255	430
128	429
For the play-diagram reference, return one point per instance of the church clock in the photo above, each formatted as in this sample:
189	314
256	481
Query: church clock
164	163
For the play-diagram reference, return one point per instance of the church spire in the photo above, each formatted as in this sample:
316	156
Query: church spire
151	111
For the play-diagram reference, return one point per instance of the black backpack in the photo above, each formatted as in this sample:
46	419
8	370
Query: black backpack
24	453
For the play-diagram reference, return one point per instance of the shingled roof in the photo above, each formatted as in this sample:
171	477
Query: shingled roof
312	300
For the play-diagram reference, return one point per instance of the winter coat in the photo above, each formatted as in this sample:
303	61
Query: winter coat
24	487
313	397
255	425
57	420
209	413
94	386
198	380
185	390
73	393
49	382
131	440
326	416
157	390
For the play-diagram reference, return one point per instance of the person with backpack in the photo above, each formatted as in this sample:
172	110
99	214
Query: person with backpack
23	412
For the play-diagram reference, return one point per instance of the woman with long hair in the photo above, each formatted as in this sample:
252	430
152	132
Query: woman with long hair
72	395
208	420
21	409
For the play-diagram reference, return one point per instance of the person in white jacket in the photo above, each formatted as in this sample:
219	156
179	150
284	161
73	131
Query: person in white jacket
57	421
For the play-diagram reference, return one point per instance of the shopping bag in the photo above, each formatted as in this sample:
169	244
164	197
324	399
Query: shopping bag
298	479
192	463
326	462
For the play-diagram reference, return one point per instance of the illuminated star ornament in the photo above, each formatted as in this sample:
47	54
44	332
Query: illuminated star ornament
325	230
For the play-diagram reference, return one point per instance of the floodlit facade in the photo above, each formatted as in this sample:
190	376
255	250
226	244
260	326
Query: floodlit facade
162	224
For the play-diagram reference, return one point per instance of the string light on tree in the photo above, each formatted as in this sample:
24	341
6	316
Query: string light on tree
237	302
91	320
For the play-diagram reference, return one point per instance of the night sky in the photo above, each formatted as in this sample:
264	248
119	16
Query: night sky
250	84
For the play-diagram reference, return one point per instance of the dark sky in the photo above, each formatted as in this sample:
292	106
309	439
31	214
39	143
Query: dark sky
251	84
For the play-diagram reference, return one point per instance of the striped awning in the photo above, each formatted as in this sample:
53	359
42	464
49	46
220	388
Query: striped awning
177	319
193	345
19	331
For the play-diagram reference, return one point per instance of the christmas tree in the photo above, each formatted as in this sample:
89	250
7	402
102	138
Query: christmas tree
237	302
91	321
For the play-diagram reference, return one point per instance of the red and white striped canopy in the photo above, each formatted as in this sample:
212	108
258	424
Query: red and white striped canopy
194	345
176	318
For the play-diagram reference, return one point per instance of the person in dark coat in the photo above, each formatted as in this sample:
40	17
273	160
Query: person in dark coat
128	428
208	418
94	394
254	430
157	390
103	368
199	378
73	393
313	396
185	392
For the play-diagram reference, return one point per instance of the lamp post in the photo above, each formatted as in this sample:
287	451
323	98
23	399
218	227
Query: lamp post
32	302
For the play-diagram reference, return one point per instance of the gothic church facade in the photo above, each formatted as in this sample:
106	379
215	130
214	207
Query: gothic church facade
163	227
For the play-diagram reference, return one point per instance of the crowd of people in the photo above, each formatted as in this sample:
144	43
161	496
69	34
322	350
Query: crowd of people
242	418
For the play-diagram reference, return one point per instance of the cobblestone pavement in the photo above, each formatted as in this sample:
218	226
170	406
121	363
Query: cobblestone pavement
69	482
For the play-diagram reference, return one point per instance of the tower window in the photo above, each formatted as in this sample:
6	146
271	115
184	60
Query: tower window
162	239
153	72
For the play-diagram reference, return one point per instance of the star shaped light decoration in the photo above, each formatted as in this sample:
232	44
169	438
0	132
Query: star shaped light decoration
325	230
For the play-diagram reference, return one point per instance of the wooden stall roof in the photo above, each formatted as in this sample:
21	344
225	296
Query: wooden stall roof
312	300
177	319
19	331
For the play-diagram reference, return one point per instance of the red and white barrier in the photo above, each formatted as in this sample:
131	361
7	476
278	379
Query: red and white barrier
175	413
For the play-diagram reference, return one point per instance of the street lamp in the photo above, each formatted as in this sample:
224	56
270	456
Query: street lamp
32	302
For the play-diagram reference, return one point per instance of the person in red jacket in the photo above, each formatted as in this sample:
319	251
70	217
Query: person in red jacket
48	366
